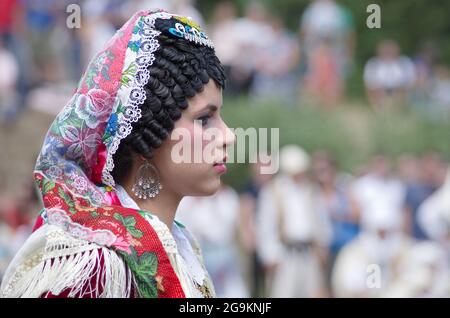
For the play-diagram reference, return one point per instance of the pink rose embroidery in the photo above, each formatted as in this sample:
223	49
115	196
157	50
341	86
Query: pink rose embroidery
80	183
95	107
122	244
82	142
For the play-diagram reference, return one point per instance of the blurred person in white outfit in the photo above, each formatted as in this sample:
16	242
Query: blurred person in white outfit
292	234
389	76
434	212
369	265
378	185
248	215
8	81
276	64
223	32
213	221
425	272
249	35
440	91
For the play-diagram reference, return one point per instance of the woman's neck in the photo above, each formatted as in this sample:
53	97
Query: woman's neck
164	205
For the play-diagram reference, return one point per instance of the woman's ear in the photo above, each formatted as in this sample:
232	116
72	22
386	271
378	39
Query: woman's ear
139	160
142	158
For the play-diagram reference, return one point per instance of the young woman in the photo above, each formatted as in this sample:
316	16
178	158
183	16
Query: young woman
106	172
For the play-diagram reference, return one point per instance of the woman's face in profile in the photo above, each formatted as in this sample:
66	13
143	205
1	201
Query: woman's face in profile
200	138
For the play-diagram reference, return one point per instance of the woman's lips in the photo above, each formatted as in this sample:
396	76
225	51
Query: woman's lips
220	167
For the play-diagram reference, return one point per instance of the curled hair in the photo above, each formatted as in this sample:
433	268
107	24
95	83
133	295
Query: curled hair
180	70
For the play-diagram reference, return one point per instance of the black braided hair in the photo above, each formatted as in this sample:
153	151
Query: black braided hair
180	70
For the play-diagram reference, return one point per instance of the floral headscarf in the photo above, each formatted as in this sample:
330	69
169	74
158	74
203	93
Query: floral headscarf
73	170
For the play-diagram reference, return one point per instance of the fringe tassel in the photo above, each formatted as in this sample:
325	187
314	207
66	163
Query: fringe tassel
75	272
183	275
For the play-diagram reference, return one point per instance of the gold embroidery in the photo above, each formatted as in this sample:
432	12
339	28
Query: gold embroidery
189	22
159	284
204	290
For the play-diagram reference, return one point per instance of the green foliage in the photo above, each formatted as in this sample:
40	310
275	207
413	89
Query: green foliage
130	224
144	268
48	185
67	199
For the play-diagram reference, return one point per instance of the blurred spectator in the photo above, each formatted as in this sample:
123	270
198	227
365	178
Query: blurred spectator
423	62
378	185
41	35
377	251
293	234
434	212
16	215
276	65
424	272
440	92
213	221
100	21
326	30
8	81
222	32
250	34
8	13
323	80
248	209
334	198
389	76
7	251
420	184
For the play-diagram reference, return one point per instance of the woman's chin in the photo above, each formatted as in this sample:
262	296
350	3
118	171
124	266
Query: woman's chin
207	190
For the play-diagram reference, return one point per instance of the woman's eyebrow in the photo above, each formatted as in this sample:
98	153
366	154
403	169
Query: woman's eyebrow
211	107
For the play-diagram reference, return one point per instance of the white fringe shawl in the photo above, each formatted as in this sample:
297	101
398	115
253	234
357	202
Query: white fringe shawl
52	261
65	262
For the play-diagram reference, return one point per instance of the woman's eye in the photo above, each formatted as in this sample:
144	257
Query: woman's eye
204	119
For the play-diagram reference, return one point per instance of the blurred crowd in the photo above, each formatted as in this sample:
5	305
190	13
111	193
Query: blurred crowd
42	58
309	231
314	231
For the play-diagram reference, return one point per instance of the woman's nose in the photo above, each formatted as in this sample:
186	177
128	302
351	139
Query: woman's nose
229	136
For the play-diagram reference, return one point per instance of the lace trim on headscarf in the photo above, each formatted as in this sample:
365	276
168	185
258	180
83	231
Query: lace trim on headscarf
144	59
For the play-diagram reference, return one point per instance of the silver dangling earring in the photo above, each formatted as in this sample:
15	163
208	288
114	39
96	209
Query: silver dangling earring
147	183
